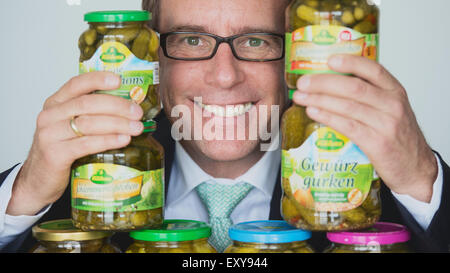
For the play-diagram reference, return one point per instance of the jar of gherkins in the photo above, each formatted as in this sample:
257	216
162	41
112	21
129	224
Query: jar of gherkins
268	237
120	189
175	236
121	42
328	182
380	238
60	236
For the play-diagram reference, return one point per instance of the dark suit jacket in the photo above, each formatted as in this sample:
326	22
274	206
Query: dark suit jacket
435	239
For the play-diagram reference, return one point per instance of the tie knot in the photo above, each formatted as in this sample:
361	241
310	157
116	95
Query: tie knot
220	200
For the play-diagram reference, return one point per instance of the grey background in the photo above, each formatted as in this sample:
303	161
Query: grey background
39	54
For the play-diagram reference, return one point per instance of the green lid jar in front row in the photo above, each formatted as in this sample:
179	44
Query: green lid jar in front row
60	236
121	42
268	237
120	189
175	236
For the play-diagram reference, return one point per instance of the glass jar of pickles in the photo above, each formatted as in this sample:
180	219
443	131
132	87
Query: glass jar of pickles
328	182
121	42
120	189
380	238
175	236
60	236
268	237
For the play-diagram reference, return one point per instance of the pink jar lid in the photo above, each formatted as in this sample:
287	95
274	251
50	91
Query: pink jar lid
380	233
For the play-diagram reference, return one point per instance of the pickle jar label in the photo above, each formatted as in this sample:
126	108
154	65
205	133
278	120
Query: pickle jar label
328	172
308	48
110	187
137	75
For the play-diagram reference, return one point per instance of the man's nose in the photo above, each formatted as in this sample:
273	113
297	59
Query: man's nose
224	69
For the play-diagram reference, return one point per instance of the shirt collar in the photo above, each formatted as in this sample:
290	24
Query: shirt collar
262	175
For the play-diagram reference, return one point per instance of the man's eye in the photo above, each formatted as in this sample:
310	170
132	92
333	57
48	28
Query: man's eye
193	41
255	42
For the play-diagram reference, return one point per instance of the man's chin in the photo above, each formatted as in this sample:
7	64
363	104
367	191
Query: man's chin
227	150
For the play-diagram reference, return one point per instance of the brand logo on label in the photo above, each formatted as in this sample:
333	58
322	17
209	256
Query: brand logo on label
101	177
324	38
112	55
330	142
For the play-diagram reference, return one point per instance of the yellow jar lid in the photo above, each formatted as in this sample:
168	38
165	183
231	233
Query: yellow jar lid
64	230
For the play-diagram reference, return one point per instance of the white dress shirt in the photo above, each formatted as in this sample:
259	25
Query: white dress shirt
183	202
186	175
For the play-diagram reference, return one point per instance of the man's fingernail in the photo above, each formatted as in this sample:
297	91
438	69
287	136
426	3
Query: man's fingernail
136	126
304	82
112	80
336	61
313	110
135	109
300	96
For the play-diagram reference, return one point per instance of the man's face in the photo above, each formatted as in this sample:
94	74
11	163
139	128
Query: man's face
223	80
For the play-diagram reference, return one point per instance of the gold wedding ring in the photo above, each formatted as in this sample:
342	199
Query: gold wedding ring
74	127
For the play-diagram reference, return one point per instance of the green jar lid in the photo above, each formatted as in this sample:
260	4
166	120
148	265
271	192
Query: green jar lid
117	16
149	126
174	231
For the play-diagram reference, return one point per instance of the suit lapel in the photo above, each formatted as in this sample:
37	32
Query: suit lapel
163	136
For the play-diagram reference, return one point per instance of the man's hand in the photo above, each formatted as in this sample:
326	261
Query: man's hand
106	121
372	109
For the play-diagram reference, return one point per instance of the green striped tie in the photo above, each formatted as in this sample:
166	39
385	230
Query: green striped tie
220	200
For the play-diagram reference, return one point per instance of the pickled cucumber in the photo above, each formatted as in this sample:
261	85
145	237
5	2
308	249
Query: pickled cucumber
142	41
193	246
297	127
361	217
294	247
355	14
143	154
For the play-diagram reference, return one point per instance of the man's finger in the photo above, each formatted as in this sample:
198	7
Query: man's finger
359	133
347	87
346	108
364	68
90	125
84	84
87	145
93	104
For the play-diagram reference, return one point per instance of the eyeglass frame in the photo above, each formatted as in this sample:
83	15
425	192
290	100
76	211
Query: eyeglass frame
219	40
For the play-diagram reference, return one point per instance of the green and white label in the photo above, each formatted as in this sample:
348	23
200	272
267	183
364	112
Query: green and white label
137	75
328	172
109	187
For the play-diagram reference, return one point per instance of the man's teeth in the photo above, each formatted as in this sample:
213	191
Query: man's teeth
227	111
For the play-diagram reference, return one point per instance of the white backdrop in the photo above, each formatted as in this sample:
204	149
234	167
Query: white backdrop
39	53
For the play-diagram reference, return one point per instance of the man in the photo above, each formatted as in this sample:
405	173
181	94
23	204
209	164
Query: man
372	108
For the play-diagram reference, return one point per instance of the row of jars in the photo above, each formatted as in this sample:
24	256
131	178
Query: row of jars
188	236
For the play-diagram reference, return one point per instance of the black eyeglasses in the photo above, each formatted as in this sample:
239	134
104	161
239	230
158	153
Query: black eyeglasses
197	46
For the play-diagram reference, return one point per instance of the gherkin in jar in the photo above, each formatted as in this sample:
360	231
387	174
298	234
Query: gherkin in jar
121	42
268	237
328	183
382	237
60	236
174	236
120	189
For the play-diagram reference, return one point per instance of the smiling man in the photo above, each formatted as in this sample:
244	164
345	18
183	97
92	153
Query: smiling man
224	59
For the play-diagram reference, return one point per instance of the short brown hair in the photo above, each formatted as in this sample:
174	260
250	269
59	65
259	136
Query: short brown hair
153	7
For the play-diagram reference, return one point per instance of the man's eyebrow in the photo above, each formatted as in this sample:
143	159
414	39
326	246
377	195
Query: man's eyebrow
235	31
193	28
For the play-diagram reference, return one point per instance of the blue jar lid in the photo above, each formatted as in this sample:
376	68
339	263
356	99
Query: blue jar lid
267	232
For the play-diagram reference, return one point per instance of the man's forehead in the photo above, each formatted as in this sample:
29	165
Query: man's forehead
222	17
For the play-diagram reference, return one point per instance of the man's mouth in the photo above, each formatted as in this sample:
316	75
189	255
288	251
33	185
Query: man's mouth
226	111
